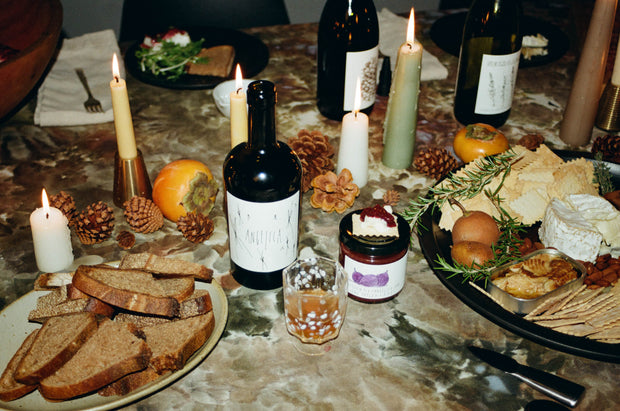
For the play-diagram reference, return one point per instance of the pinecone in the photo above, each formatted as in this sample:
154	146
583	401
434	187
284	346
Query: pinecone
125	239
143	215
391	197
531	141
435	162
95	224
195	227
609	146
315	153
65	203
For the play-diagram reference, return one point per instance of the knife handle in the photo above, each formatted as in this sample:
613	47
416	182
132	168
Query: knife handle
558	388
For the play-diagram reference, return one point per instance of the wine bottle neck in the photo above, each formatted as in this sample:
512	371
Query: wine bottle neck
262	116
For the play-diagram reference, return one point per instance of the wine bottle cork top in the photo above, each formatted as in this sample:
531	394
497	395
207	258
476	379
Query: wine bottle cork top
262	92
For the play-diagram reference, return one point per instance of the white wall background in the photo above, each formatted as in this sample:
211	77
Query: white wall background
86	16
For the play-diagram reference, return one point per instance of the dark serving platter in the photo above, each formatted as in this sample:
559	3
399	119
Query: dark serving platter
447	33
436	242
250	53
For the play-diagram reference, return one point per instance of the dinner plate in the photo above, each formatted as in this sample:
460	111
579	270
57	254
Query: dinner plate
436	242
15	327
447	33
250	53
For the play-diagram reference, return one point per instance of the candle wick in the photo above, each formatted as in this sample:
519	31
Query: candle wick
116	78
47	215
410	45
355	114
239	90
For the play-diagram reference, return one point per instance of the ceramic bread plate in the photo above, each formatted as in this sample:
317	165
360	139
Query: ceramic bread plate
436	242
250	53
526	305
15	327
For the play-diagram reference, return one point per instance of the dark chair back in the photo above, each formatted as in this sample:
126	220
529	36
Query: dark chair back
142	17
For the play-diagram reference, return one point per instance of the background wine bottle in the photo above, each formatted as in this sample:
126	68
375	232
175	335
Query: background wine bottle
347	47
262	179
488	62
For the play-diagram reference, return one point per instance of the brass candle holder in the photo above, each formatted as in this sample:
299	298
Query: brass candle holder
608	114
130	179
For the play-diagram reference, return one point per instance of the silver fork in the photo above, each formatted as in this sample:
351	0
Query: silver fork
92	105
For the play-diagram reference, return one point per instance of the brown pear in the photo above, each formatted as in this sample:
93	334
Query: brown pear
475	226
471	253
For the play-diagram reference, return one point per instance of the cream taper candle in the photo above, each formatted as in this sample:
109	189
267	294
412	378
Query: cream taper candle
125	139
401	117
51	237
353	150
238	112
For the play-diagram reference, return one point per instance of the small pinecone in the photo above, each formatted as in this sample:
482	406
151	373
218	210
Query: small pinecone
95	224
609	146
125	239
315	153
531	141
435	162
391	197
195	227
143	215
65	203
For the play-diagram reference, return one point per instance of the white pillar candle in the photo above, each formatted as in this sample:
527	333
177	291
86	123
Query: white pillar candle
238	112
123	124
353	150
51	237
401	117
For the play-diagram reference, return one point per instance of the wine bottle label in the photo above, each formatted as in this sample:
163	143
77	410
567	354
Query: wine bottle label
263	236
498	74
362	64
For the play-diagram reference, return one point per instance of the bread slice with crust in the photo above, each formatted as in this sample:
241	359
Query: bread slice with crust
56	342
219	63
197	304
111	353
10	389
66	299
134	290
166	266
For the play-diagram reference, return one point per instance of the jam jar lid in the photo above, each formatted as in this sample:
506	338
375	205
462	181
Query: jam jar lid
381	246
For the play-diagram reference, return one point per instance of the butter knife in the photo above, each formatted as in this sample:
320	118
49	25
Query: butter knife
558	388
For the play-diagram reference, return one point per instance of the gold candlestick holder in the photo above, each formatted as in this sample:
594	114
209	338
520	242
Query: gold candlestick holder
608	114
130	179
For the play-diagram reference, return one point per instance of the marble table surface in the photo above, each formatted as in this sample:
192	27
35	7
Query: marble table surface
408	353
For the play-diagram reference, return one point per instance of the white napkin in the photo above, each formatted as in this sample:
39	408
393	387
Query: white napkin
61	97
393	33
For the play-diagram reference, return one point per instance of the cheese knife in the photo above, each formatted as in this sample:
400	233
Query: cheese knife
558	388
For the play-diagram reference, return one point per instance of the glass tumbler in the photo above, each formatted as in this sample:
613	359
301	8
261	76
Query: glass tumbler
315	302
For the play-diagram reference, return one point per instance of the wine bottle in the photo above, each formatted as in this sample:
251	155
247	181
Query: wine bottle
488	62
347	48
262	179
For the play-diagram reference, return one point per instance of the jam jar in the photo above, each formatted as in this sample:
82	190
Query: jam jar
375	266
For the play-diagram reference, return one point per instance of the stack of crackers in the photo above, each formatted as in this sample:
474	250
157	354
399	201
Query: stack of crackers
534	179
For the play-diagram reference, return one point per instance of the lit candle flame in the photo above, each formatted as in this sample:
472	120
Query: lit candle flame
116	73
358	97
411	28
238	79
46	203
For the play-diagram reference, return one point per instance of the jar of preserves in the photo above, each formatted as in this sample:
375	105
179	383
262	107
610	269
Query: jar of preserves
375	264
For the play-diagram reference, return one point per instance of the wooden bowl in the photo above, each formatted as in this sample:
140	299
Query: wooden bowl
31	27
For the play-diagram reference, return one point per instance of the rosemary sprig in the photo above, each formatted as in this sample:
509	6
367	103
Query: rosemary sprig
602	175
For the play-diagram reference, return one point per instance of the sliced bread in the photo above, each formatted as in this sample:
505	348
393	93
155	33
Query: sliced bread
219	61
165	266
10	389
67	300
197	304
134	290
56	342
130	382
174	342
111	353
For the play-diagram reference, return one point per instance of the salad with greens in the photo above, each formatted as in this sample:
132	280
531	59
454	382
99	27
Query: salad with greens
168	54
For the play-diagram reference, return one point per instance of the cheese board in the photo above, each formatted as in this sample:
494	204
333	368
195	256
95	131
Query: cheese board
436	242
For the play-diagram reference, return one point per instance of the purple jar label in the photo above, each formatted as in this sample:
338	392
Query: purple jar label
375	281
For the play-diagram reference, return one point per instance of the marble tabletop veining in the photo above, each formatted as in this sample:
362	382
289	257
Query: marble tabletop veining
408	353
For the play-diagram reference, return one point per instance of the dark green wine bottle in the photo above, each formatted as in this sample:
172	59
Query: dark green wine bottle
488	62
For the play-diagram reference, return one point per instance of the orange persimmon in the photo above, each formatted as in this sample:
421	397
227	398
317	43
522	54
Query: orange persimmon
479	140
183	186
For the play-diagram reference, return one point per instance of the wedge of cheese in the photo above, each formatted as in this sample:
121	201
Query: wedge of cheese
569	232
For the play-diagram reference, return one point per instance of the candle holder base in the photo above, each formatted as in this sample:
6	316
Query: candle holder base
608	114
130	179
